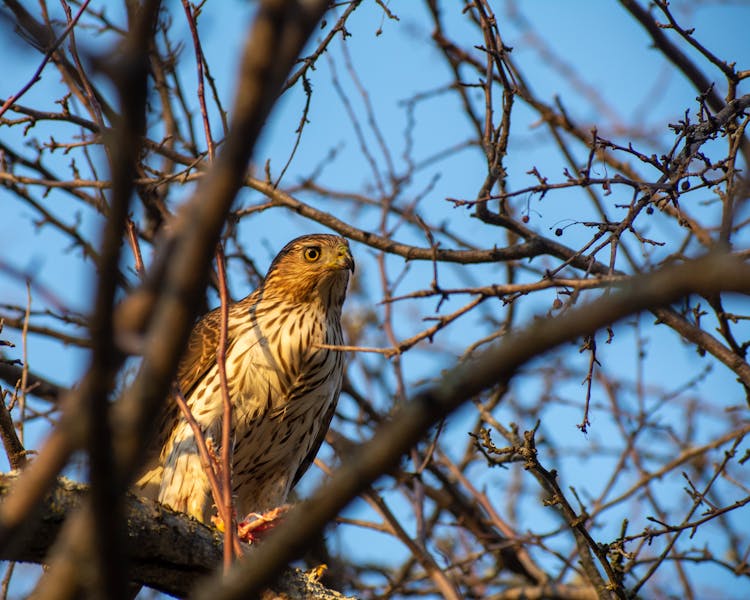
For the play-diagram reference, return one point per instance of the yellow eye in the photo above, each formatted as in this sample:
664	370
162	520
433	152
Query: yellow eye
312	253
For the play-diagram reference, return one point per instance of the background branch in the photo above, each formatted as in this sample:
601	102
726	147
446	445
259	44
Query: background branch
712	274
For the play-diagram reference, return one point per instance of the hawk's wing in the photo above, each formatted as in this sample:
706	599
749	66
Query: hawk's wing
197	359
200	353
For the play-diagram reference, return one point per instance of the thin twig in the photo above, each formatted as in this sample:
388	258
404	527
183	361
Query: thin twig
136	249
48	55
227	442
199	67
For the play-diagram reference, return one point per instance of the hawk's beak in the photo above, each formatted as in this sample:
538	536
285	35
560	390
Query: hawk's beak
345	259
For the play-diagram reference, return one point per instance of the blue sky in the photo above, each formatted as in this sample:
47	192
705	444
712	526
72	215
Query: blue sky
607	49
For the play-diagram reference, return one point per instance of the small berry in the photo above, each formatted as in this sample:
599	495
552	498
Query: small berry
650	210
525	218
558	232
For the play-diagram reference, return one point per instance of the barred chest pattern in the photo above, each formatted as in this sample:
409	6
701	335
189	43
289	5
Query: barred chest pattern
302	383
282	384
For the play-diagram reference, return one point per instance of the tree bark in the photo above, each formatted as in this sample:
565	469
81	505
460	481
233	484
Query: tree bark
167	550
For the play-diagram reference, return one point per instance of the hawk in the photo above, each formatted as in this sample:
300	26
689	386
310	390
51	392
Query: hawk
283	384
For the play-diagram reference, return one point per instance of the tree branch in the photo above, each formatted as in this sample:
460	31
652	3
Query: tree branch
711	274
169	551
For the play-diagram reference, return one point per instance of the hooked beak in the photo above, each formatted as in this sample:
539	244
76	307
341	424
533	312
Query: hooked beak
345	259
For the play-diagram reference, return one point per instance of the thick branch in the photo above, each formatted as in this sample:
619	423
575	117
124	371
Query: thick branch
712	274
168	550
35	385
279	32
674	54
280	198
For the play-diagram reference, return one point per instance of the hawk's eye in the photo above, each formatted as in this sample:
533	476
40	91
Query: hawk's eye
312	253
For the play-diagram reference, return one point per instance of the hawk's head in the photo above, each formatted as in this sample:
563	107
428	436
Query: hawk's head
310	267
